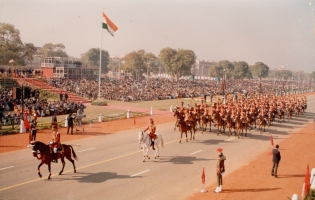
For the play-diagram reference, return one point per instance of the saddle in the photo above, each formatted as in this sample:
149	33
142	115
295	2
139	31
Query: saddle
59	150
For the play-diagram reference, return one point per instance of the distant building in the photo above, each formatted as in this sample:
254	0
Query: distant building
59	67
201	67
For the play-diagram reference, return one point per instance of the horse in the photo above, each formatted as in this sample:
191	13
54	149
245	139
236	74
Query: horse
179	117
238	126
145	143
280	113
183	128
205	119
230	124
43	152
219	122
261	123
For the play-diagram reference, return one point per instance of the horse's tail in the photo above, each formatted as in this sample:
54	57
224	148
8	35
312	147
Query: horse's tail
162	142
73	153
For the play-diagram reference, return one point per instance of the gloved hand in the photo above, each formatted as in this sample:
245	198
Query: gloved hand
50	142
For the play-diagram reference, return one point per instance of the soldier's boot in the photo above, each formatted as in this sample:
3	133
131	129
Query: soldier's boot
152	144
55	158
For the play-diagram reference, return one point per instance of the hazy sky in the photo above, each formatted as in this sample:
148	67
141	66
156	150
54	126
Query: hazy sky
276	32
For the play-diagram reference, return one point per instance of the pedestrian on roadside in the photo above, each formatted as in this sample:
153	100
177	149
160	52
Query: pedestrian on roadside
70	124
220	169
33	130
275	159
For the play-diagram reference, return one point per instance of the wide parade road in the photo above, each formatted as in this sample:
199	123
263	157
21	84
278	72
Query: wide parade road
110	166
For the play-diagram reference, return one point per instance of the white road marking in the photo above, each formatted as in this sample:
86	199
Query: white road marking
6	167
86	149
140	173
195	152
230	139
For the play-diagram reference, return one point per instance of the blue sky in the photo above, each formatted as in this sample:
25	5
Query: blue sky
276	32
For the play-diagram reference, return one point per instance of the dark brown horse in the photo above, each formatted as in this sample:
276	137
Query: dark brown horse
43	152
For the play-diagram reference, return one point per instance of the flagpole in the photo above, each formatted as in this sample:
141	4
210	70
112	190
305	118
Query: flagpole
100	69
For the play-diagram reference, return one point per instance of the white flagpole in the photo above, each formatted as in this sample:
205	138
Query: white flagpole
100	70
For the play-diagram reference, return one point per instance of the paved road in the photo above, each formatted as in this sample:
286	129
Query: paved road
110	166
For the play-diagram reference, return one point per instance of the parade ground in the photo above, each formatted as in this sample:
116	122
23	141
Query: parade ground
109	154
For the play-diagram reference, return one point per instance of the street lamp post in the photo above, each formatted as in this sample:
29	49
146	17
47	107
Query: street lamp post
224	85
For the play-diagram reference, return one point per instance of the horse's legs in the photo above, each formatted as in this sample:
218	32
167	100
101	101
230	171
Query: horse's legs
63	163
39	174
181	135
156	151
49	169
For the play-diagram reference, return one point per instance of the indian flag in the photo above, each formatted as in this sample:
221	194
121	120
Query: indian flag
109	25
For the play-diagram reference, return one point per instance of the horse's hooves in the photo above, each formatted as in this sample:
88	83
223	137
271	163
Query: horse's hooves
143	161
75	171
149	158
40	176
49	177
60	173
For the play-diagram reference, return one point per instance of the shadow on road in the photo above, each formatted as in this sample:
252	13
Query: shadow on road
249	190
183	160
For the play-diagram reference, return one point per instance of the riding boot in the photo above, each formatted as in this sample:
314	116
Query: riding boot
152	144
55	158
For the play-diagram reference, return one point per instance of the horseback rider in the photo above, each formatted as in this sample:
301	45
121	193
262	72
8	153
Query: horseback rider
152	129
55	144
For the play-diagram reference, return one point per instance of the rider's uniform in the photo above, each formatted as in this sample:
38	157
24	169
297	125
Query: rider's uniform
56	141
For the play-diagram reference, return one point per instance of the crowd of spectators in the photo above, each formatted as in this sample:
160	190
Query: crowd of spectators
164	88
11	108
19	73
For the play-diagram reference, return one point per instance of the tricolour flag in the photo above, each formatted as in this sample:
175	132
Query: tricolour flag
109	25
203	176
306	184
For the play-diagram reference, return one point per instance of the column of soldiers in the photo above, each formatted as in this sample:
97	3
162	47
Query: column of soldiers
245	113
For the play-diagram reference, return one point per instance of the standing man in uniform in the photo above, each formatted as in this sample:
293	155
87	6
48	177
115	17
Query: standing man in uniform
275	159
152	129
70	124
220	169
33	130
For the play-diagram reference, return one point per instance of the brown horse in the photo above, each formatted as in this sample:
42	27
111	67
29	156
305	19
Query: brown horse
261	123
43	152
183	128
280	114
238	126
178	116
288	112
218	121
230	124
205	119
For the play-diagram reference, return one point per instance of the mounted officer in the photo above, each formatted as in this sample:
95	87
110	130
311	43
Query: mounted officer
152	129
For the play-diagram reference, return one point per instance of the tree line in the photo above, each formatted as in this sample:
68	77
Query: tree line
176	62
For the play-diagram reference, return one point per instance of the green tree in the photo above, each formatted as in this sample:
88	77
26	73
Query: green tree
139	62
312	75
228	66
240	70
92	58
259	70
283	74
11	46
53	50
177	62
216	71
